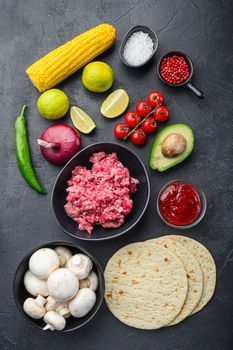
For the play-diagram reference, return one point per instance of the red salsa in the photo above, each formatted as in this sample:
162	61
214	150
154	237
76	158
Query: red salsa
180	204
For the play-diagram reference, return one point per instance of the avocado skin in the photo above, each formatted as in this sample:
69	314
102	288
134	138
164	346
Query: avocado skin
183	129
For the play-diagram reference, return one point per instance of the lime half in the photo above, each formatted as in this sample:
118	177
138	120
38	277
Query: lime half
115	104
81	120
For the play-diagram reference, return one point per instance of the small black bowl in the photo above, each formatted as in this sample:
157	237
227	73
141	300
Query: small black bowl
140	198
133	30
187	82
20	293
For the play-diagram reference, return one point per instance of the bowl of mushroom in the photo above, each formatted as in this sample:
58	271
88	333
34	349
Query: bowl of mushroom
59	286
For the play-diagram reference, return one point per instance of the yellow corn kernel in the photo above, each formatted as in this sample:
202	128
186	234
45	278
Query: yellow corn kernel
65	60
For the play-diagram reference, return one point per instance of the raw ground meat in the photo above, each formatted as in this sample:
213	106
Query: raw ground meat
101	195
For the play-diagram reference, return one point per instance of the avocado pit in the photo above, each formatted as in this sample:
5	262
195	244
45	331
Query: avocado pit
173	145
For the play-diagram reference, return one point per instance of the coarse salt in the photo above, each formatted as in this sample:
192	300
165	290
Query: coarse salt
138	49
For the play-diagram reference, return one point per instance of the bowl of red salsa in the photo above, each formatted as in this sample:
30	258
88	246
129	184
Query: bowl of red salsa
181	204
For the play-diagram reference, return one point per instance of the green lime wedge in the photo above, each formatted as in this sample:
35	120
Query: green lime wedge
81	120
115	104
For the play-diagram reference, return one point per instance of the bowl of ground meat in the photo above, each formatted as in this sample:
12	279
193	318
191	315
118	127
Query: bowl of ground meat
101	193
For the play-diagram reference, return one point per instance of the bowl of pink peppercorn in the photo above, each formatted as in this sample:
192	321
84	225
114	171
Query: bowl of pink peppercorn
176	69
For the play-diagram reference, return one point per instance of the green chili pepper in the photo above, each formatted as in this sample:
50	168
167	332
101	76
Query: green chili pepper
23	153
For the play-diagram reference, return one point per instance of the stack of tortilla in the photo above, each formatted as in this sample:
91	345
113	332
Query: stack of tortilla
159	282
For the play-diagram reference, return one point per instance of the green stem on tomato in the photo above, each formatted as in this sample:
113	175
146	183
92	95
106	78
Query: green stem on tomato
125	138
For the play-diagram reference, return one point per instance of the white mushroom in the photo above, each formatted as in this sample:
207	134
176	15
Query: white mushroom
64	255
90	282
43	262
82	303
62	284
34	285
35	307
81	265
54	321
60	307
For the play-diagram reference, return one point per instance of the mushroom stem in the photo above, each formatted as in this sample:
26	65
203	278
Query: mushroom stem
63	311
48	326
60	307
40	300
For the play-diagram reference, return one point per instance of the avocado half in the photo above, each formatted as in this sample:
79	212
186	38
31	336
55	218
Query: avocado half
161	163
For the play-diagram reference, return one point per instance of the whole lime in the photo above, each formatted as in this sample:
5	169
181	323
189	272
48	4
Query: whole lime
53	104
97	76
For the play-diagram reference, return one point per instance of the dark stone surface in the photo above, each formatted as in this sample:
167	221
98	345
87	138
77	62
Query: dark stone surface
202	29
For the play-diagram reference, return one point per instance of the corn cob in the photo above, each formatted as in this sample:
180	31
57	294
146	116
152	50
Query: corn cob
68	58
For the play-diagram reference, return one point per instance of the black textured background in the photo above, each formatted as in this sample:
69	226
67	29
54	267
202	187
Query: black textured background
202	29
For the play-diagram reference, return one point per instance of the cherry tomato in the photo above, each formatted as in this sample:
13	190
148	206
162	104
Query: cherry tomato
138	137
121	130
149	125
155	98
132	119
143	108
161	114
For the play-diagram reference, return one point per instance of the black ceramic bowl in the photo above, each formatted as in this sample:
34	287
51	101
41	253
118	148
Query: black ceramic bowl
140	198
188	61
20	293
133	30
187	82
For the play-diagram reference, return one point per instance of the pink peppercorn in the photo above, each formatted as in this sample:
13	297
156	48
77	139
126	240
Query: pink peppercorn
174	69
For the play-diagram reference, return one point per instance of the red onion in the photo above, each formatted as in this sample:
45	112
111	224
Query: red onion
59	143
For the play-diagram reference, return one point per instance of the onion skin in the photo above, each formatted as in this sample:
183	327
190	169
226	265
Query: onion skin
59	143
